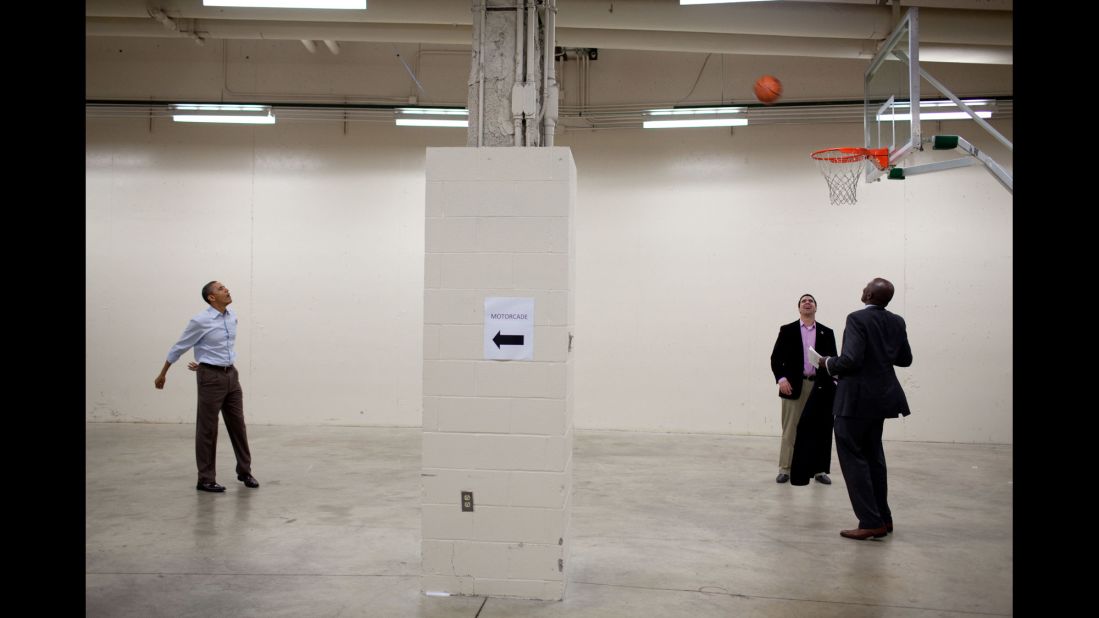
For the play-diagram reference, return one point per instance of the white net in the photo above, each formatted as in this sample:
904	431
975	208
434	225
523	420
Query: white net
842	171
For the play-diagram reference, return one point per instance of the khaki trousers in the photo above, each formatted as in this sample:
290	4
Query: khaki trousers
791	414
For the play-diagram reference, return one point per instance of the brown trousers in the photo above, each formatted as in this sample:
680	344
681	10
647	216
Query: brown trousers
219	390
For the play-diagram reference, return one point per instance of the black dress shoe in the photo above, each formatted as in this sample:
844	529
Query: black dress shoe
248	480
209	486
889	527
823	478
782	477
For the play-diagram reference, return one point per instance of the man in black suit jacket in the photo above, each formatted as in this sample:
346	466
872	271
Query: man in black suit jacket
806	447
874	341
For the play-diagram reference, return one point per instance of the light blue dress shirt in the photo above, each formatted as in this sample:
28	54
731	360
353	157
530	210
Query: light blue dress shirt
213	335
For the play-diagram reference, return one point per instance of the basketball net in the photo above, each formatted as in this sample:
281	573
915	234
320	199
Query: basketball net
842	168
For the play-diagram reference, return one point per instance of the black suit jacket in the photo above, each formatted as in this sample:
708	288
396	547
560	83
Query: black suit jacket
787	358
874	341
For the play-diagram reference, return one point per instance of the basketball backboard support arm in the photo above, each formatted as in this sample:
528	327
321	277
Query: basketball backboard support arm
980	121
946	142
892	83
891	109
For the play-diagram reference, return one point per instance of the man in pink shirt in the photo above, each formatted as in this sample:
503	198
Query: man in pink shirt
806	449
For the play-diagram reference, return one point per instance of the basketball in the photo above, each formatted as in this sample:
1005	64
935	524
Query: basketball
768	89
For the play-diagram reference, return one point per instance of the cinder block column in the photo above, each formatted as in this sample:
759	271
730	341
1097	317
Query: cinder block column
499	224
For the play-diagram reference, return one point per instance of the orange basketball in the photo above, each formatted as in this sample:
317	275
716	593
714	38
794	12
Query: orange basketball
768	89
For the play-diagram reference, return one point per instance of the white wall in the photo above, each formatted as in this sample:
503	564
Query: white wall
692	245
318	235
692	248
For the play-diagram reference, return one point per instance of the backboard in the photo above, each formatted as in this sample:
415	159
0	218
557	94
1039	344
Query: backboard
891	99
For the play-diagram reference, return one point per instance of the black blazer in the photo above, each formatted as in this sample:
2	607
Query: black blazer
874	341
787	359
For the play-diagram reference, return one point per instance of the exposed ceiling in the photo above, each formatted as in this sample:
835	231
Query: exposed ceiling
971	35
977	31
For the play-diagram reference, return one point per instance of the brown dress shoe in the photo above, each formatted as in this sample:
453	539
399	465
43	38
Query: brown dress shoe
861	534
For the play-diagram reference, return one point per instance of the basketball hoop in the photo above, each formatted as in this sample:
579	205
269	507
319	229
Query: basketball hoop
842	168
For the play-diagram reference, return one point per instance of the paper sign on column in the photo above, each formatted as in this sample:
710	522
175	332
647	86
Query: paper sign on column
509	328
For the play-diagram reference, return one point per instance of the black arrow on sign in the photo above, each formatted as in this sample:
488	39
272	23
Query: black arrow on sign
500	340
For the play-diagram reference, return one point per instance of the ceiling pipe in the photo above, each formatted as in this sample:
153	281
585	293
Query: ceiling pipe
757	45
170	25
516	93
549	109
162	17
251	30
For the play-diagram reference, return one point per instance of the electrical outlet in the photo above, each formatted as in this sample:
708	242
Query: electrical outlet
467	501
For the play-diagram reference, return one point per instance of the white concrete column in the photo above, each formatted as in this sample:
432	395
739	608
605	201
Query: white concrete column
499	224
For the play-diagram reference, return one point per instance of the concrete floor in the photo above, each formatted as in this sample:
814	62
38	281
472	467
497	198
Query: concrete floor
663	525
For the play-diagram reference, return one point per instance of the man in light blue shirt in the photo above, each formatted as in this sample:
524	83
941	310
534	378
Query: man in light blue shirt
213	333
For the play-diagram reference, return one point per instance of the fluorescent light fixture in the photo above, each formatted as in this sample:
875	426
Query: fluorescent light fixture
942	115
432	117
686	2
935	116
695	117
968	102
225	114
698	122
433	111
430	122
697	111
289	4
